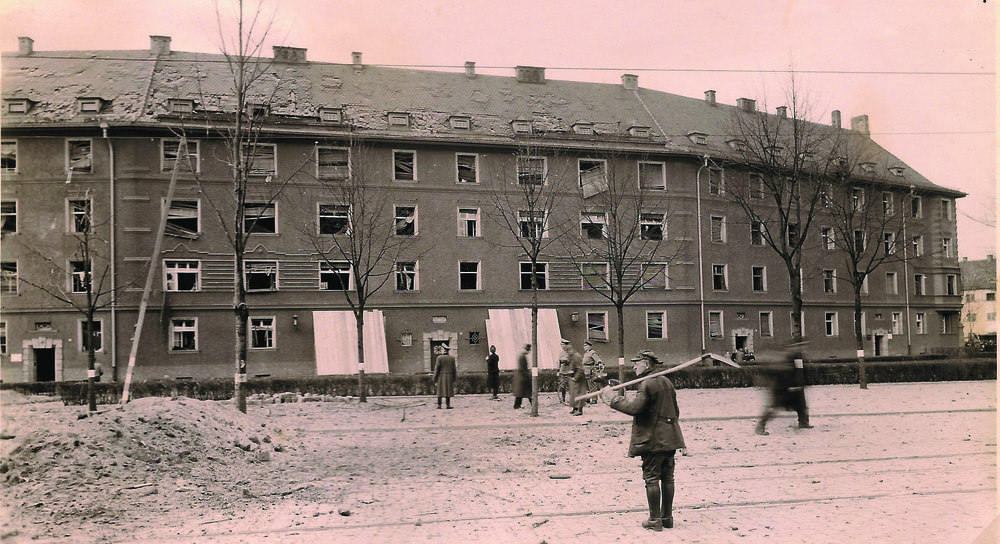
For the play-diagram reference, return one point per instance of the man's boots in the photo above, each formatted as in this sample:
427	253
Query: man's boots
653	499
439	403
447	401
667	505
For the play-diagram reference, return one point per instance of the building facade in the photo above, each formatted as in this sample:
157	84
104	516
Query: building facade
979	311
90	144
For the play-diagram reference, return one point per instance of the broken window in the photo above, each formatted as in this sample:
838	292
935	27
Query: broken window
261	332
720	277
8	156
715	324
829	281
716	183
335	276
79	215
79	276
332	163
540	275
8	216
651	176
79	158
8	277
532	224
467	165
654	276
757	233
181	276
468	275
182	219
656	325
592	225
95	337
184	334
593	173
261	275
260	159
406	220
171	150
260	218
531	170
597	326
404	165
406	276
652	226
334	218
718	228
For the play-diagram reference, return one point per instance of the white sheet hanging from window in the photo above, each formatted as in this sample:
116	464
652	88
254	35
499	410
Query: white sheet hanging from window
509	330
336	337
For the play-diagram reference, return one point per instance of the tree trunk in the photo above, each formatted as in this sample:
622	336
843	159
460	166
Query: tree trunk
859	336
91	358
620	310
534	345
362	386
241	313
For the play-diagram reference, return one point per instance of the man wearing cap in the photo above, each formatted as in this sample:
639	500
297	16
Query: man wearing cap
591	361
787	385
564	372
577	379
656	436
444	376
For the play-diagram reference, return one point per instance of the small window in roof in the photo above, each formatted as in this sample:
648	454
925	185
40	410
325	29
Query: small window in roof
583	128
179	105
868	166
331	115
699	138
18	105
639	131
399	119
460	122
521	127
897	171
89	105
737	144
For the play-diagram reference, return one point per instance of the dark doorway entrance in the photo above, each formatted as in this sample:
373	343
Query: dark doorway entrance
435	350
880	342
45	364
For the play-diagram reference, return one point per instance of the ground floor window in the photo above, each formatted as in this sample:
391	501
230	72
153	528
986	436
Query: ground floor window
262	332
715	324
184	334
656	325
597	326
96	338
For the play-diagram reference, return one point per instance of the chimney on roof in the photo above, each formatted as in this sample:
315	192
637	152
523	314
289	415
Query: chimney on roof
630	82
470	69
989	257
835	118
25	46
356	59
284	53
159	45
747	104
860	124
710	96
530	74
782	111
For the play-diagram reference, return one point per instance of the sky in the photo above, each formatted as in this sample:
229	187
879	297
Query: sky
922	70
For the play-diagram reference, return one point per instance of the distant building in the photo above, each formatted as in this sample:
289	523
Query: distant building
979	294
97	132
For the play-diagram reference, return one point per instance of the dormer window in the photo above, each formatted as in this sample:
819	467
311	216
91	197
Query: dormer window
737	144
867	166
897	171
521	127
178	105
585	129
460	122
331	115
639	131
775	149
89	105
699	138
18	105
397	119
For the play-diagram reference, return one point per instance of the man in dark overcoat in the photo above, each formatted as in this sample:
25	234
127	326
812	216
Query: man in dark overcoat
445	373
656	436
493	373
577	380
787	387
521	388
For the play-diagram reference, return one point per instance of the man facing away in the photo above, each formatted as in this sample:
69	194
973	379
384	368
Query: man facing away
656	436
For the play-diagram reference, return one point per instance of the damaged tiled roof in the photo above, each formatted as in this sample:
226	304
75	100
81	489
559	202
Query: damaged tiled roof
981	274
137	86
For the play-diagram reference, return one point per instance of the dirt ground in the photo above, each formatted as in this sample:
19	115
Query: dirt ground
895	463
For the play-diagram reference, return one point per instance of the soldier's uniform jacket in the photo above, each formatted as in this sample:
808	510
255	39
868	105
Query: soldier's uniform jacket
654	422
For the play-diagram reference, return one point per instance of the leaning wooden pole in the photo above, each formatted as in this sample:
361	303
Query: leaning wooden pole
151	273
681	366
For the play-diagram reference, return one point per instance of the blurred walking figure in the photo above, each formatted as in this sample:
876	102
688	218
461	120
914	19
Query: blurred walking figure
521	388
591	363
656	436
786	381
445	373
577	378
493	372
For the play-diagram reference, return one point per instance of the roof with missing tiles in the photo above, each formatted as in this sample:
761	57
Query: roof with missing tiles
137	86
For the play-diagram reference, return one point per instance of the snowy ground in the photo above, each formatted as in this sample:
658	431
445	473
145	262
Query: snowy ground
895	463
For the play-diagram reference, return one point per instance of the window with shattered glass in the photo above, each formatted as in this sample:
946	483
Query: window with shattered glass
334	218
652	226
79	215
406	220
406	276
8	156
80	159
404	165
332	163
189	161
651	176
335	276
467	164
182	219
181	276
260	218
260	159
261	275
8	216
530	170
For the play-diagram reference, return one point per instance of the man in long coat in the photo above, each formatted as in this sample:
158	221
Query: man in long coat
493	372
656	436
787	387
521	388
577	380
444	376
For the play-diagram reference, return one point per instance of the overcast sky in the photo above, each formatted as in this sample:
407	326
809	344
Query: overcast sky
922	70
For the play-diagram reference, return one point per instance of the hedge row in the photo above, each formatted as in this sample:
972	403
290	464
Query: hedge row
825	373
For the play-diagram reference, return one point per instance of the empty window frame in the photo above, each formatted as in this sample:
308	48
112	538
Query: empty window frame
919	284
828	238
261	275
655	276
947	248
830	281
8	156
531	170
184	334
716	182
531	224
406	221
889	242
468	223
260	218
96	337
79	157
758	276
891	287
334	219
946	209
718	225
406	276
597	326
652	176
593	225
715	324
857	199
652	226
950	284
79	272
262	332
593	172
261	159
831	322
916	207
920	323
720	277
181	275
918	246
170	150
335	276
766	320
79	215
896	324
8	216
860	241
756	189
467	167
594	275
656	325
183	219
888	208
333	163
8	277
757	233
540	275
404	165
468	276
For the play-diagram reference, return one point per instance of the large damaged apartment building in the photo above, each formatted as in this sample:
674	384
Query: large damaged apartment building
91	139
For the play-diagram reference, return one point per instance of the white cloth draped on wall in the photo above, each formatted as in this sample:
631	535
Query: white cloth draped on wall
336	337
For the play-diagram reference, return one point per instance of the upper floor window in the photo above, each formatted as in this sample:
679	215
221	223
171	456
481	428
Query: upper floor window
181	275
593	225
468	222
947	248
261	159
652	176
918	245
716	182
336	276
718	228
331	115
334	218
759	278
699	138
593	172
8	277
406	276
532	224
261	275
183	219
639	131
184	334
829	281
594	275
404	165
468	276
333	163
260	218
720	277
916	207
919	284
757	233
180	105
652	226
991	296
89	105
860	241
792	234
655	276
460	122
399	119
889	242
531	170
827	236
756	189
78	215
79	276
18	105
171	150
951	284
79	158
406	220
540	275
887	203
467	166
8	216
583	128
891	286
946	209
857	199
8	156
521	126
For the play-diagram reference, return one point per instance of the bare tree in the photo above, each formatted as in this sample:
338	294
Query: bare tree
525	206
621	248
361	239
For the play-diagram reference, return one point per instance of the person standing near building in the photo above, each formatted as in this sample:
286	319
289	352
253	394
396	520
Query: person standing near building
445	373
564	372
521	388
591	363
493	373
656	436
577	380
787	387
